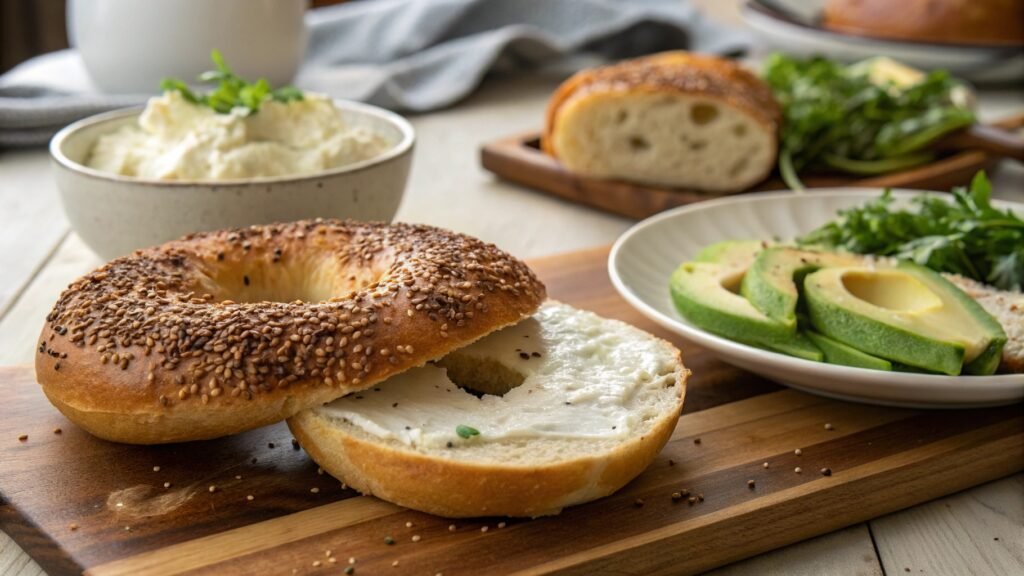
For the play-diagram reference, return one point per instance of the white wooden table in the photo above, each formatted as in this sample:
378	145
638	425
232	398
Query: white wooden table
979	531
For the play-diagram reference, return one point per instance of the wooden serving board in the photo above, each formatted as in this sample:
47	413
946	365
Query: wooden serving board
75	503
519	159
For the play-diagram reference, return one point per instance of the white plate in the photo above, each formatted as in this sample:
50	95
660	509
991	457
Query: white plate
646	255
792	26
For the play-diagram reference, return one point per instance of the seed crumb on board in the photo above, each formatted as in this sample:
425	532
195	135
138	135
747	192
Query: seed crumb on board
57	431
23	438
74	527
394	564
696	440
751	484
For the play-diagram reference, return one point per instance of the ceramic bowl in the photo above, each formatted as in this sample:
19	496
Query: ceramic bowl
115	214
646	255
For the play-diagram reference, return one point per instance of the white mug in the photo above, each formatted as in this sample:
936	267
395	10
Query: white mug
128	46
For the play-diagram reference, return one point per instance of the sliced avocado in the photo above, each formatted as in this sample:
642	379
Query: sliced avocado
800	346
771	282
701	292
907	314
838	353
738	253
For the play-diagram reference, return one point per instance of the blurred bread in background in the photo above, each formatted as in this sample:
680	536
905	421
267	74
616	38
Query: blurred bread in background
943	21
673	119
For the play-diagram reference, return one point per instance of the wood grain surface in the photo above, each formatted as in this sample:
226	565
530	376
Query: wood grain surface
519	159
76	503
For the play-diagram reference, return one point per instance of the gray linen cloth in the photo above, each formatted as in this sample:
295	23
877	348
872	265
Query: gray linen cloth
419	55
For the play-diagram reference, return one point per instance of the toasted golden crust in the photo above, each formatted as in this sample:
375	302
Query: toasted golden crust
185	341
452	488
940	21
675	72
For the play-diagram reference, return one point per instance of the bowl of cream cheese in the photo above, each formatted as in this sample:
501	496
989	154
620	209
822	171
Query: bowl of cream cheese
135	178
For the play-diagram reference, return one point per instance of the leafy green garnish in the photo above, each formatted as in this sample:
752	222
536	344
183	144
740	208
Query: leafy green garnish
466	431
966	236
835	117
232	92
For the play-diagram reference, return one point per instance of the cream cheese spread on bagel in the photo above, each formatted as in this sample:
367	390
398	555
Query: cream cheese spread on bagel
580	378
560	409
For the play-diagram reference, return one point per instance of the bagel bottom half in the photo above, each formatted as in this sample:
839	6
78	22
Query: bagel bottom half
560	409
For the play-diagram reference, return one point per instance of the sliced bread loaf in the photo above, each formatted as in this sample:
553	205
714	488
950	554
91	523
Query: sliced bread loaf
674	119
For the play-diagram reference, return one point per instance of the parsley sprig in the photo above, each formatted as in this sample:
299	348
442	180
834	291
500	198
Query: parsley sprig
836	118
966	236
232	92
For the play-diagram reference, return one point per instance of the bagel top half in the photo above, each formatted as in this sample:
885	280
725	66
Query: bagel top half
222	332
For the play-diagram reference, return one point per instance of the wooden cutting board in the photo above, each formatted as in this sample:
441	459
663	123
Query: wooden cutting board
76	503
519	159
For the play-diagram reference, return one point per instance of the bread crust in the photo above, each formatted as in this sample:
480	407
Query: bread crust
452	488
983	22
674	72
159	347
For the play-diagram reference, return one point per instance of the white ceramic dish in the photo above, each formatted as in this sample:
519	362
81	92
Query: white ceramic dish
645	256
117	214
792	26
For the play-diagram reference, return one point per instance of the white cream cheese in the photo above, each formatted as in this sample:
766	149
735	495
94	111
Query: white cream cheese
583	378
178	140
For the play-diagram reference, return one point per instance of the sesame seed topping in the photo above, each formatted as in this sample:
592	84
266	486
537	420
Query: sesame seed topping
212	488
798	451
829	426
751	484
202	343
501	524
765	465
415	538
314	490
156	468
452	528
483	528
798	470
826	471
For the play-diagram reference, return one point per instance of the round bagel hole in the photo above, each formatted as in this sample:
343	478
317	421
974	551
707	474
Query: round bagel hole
315	278
480	376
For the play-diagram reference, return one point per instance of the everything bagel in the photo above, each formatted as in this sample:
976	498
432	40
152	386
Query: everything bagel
222	332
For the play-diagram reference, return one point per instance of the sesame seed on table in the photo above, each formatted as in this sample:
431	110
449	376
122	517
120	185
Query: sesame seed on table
41	256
